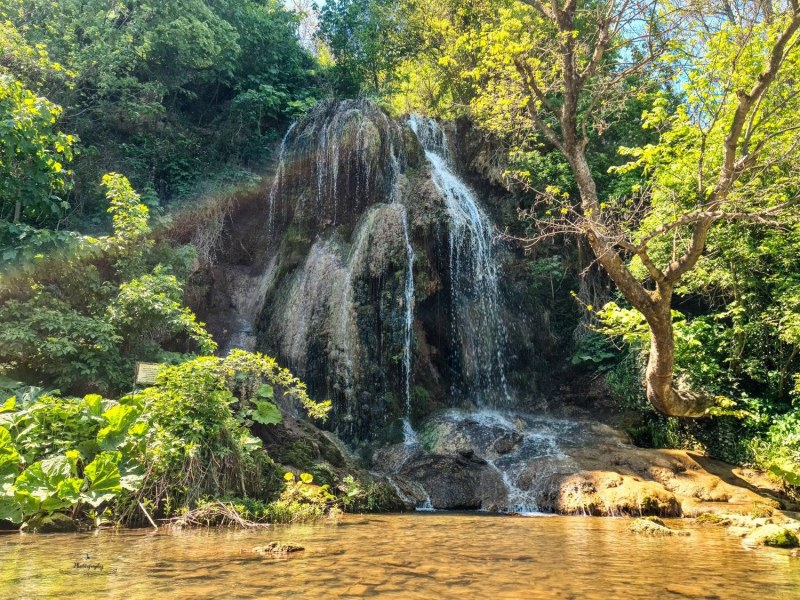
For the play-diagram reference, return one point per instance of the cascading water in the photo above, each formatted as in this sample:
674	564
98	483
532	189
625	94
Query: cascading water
280	174
480	332
376	281
333	164
477	324
408	305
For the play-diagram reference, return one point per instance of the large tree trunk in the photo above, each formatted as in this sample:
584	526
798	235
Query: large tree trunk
655	305
659	374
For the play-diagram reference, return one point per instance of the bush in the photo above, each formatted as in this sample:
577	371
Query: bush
779	449
165	447
302	501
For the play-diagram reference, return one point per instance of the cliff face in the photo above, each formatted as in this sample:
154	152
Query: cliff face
371	268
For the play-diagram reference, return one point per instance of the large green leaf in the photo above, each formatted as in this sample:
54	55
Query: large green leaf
9	458
10	510
47	485
790	477
266	413
104	479
119	418
93	404
131	475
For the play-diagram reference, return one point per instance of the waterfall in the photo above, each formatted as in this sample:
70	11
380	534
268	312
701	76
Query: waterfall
477	326
333	164
346	329
408	305
280	174
408	291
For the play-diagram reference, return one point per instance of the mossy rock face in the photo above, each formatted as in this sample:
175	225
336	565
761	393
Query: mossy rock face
712	519
298	454
55	523
653	526
776	536
323	474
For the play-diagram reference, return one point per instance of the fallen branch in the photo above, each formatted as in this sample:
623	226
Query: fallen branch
147	514
216	514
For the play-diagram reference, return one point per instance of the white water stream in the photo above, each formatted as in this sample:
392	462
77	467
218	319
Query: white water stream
477	324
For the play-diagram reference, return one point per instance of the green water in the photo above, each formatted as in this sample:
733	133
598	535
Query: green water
410	556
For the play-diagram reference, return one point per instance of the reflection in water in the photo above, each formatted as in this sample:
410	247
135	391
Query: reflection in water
401	556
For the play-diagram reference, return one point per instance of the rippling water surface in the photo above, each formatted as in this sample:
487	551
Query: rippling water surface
400	556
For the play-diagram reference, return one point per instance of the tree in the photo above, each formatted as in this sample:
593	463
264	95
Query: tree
728	151
169	93
362	36
34	156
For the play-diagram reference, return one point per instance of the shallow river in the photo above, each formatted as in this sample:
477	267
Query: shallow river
429	556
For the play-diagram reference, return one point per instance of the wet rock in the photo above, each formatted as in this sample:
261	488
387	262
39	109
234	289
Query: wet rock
470	456
772	535
453	483
712	519
608	494
655	527
55	523
277	548
506	443
511	462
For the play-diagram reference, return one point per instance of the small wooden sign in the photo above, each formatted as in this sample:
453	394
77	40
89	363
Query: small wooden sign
146	373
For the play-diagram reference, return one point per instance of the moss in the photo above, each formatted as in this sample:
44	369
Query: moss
55	523
772	535
421	397
331	453
648	504
429	436
760	510
272	477
276	548
653	526
298	454
376	497
323	474
712	519
294	247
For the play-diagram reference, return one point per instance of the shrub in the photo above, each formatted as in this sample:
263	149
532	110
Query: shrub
164	447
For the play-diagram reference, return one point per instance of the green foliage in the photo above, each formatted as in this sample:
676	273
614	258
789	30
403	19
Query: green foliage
597	351
362	36
50	457
198	445
32	164
69	323
166	93
104	479
301	501
779	449
370	497
44	339
148	311
166	446
129	217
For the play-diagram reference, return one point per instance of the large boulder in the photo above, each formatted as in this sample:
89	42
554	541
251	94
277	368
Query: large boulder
772	535
457	482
